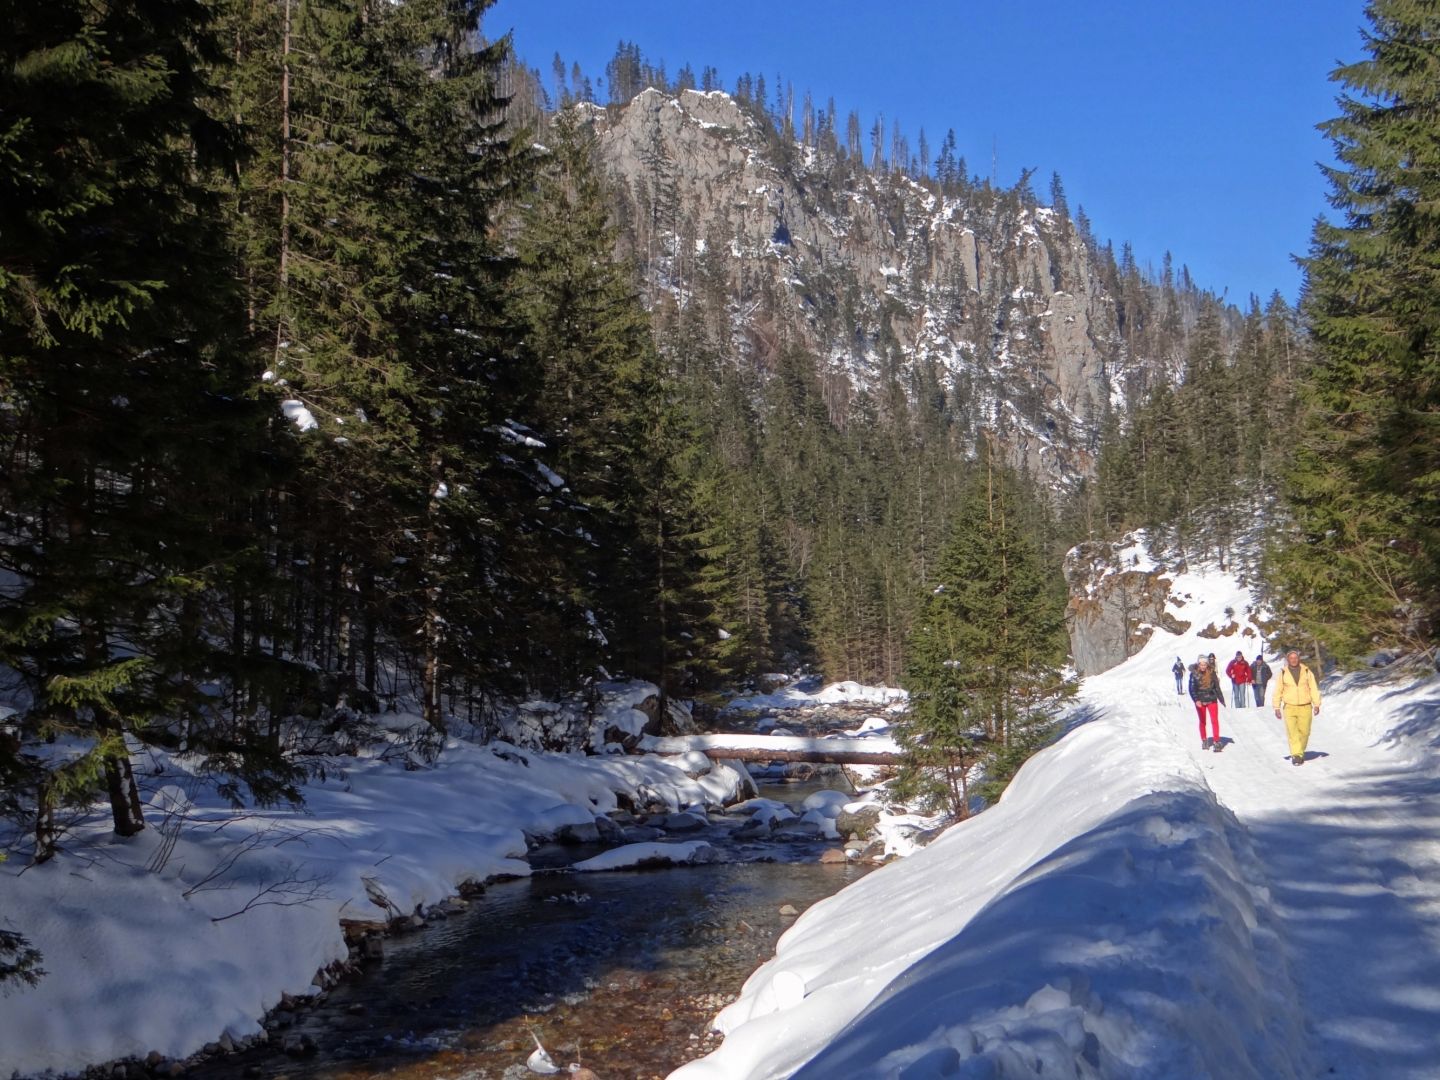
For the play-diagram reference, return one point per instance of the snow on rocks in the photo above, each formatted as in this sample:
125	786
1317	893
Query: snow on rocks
621	713
646	855
840	693
164	952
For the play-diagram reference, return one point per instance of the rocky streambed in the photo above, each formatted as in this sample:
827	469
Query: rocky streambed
618	971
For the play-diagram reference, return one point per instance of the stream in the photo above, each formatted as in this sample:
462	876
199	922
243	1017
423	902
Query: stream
620	971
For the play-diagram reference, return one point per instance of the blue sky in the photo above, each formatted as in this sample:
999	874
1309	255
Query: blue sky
1180	126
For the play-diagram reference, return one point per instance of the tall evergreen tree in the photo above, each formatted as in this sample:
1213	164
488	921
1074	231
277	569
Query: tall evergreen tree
983	661
1362	565
614	412
126	423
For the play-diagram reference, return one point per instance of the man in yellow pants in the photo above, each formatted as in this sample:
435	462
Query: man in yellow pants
1298	697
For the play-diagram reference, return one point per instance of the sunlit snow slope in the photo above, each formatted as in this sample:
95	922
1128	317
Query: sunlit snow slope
1138	907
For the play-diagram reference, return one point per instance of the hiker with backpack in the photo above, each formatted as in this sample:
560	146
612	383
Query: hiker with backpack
1239	671
1206	694
1179	672
1260	673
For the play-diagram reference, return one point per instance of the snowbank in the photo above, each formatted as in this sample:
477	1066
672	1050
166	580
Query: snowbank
840	693
1102	901
148	951
1110	917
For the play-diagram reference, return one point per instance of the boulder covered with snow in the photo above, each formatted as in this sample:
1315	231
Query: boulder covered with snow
642	856
612	718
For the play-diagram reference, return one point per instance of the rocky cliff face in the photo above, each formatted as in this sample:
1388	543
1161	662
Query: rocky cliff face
1117	598
984	297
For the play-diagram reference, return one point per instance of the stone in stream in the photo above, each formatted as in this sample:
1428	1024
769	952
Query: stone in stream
751	829
788	909
640	834
609	831
583	832
685	821
858	824
298	1045
797	828
833	855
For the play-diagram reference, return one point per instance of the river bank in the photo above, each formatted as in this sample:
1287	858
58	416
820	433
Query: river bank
620	971
188	934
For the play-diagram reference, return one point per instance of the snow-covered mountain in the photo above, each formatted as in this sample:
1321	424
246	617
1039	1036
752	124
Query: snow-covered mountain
981	294
1136	906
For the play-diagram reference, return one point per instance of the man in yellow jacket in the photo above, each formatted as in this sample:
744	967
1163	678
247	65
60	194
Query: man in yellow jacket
1297	697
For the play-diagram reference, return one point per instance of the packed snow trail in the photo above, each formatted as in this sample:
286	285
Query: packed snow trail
1137	908
1349	842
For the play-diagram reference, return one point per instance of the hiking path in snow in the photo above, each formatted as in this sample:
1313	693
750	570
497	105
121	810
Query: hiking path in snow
1349	843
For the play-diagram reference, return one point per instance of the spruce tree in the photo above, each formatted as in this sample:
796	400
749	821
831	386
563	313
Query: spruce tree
126	426
982	665
1362	564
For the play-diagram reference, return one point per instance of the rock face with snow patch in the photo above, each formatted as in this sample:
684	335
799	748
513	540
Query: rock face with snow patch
1118	595
982	296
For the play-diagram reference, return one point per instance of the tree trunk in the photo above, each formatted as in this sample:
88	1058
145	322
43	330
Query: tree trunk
433	628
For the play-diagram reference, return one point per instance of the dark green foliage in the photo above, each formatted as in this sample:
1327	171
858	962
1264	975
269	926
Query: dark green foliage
1198	462
1361	566
19	961
621	429
125	430
982	663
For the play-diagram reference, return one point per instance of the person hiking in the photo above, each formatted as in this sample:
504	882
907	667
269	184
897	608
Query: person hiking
1297	700
1179	672
1260	673
1205	693
1239	672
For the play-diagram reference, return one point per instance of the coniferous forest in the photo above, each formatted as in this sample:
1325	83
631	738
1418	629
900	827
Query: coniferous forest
333	376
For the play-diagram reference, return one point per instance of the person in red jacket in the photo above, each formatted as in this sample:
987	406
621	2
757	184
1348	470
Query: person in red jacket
1239	672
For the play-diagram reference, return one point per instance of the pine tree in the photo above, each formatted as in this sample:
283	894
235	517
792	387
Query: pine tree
1362	565
389	314
982	664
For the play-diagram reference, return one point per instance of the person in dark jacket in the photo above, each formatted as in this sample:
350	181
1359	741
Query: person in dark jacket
1239	671
1206	694
1260	673
1179	672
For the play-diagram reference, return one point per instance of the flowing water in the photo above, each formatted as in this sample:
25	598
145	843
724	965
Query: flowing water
620	971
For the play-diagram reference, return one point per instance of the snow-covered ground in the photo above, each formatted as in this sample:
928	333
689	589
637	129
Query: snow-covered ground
840	693
155	949
1136	907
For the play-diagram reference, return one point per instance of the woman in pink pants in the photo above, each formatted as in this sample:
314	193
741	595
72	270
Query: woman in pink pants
1205	692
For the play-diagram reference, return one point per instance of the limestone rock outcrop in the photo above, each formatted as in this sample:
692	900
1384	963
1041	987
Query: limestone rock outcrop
1118	596
986	297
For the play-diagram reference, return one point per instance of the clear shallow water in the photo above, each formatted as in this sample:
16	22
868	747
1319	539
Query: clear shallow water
621	971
